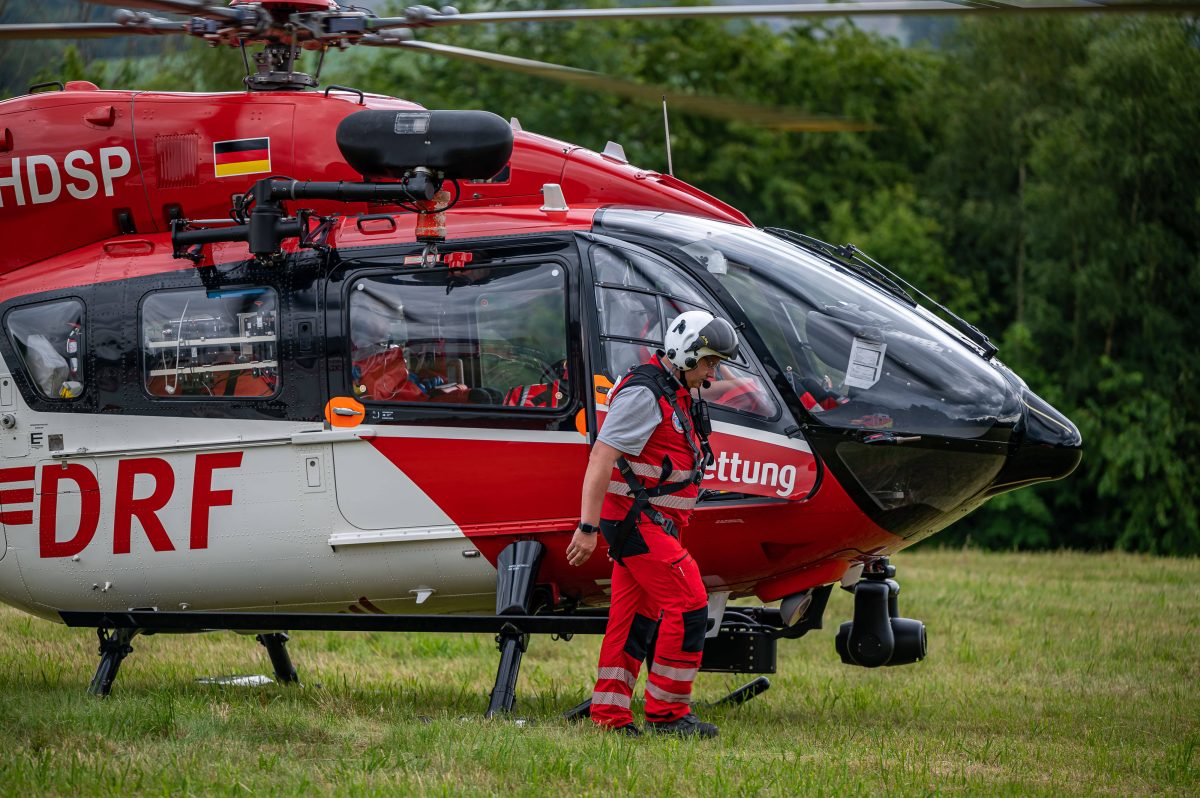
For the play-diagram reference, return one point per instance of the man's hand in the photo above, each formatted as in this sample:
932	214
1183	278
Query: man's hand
581	547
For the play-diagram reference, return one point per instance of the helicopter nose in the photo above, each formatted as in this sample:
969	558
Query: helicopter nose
1048	447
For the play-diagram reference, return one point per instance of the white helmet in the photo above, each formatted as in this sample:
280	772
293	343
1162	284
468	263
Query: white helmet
697	334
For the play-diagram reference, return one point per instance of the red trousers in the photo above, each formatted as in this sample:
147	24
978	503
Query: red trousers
655	591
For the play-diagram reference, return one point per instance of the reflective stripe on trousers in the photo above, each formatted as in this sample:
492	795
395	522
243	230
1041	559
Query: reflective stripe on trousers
611	699
678	674
628	677
660	694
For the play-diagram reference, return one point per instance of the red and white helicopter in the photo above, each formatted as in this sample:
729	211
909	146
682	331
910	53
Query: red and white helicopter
361	396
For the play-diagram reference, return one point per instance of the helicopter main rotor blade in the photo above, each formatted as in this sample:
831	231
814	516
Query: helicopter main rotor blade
190	8
424	17
88	30
716	107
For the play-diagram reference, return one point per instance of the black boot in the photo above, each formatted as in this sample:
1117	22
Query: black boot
687	726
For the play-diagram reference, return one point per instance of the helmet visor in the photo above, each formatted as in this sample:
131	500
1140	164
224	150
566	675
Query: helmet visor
717	338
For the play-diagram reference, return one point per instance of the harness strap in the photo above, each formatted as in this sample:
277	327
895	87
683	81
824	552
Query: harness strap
663	488
677	501
643	496
699	458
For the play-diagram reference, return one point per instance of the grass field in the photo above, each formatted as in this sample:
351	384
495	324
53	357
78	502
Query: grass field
1051	674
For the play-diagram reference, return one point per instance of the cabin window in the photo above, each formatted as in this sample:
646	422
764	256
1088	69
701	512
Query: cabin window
484	336
221	344
49	339
636	295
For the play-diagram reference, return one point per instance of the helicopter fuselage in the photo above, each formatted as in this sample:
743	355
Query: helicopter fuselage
185	437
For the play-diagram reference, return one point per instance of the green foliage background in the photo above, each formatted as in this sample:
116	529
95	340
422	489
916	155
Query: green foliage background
1039	175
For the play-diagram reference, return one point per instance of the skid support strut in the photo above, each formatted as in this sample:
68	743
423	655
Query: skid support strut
276	645
744	693
516	578
114	647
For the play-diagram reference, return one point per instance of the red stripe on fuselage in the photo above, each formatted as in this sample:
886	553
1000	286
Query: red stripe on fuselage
501	491
22	474
482	483
16	496
93	264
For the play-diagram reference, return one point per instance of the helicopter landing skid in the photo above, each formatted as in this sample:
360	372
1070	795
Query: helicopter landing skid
114	648
741	695
735	698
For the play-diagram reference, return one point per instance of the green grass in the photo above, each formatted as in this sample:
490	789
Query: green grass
1058	674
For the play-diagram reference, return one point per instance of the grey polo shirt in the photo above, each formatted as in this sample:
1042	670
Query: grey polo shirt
631	419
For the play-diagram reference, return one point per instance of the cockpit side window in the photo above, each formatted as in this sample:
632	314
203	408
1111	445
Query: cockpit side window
492	336
636	295
49	339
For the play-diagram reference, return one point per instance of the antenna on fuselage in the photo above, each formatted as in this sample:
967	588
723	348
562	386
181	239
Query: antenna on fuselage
667	133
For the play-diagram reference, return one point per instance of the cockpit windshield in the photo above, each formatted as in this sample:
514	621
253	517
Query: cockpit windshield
853	353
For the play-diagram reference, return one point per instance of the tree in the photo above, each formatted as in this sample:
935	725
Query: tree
777	177
1039	176
1089	174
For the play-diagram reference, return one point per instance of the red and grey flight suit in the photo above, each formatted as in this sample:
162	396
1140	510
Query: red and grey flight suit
656	586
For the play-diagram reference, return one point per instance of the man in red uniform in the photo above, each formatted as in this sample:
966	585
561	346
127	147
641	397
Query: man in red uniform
641	484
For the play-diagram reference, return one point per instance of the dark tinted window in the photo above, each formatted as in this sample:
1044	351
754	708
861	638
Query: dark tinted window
485	336
855	355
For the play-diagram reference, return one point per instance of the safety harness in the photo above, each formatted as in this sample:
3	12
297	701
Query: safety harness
663	385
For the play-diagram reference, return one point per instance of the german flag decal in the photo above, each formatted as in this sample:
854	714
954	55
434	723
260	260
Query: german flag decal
242	157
